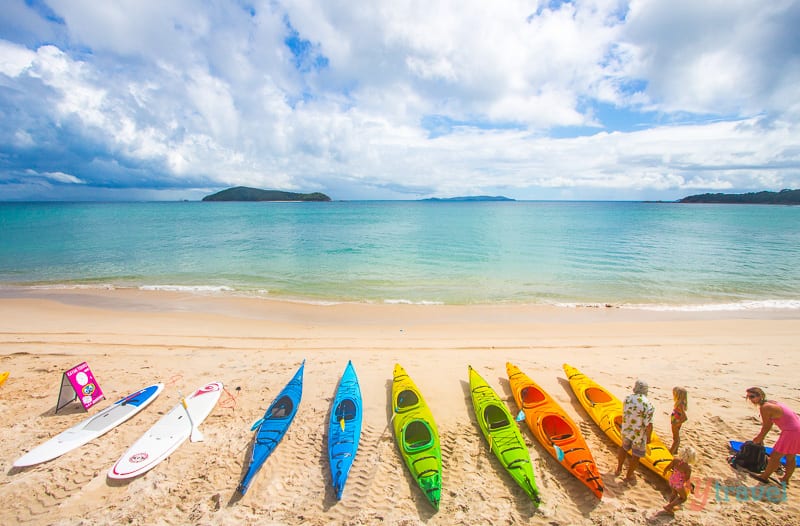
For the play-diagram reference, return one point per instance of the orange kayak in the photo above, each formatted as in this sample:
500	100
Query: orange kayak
554	429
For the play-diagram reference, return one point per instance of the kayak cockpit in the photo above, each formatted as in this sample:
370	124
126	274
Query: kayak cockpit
417	436
406	400
494	417
282	408
556	428
346	410
531	396
597	396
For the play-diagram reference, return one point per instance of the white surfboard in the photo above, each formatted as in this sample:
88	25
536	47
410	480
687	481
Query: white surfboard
92	427
167	434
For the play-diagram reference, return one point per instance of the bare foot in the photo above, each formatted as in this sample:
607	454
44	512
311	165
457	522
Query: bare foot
629	480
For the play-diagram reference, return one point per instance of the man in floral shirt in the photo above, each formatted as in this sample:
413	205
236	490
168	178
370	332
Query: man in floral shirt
637	425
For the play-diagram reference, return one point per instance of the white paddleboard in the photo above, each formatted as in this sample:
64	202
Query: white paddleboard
92	427
167	434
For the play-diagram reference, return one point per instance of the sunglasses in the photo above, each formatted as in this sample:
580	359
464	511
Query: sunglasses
752	396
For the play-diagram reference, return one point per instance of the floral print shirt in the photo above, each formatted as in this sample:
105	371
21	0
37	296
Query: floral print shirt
637	414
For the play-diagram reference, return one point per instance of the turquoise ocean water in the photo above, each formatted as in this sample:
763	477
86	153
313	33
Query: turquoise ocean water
640	255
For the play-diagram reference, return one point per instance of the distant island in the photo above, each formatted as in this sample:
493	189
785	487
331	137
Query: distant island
784	197
470	198
243	193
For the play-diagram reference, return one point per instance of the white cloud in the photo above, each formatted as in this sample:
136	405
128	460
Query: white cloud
14	59
210	94
59	177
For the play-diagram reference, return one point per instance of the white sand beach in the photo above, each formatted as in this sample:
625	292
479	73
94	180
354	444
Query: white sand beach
134	338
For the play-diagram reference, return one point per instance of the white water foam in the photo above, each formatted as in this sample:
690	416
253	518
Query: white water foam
700	307
186	288
409	302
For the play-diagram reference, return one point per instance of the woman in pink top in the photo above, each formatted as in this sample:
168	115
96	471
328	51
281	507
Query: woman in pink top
788	422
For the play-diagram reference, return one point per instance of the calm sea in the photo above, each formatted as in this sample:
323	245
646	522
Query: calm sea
643	255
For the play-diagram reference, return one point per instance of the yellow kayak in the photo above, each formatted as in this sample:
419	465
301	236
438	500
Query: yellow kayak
3	377
606	411
416	435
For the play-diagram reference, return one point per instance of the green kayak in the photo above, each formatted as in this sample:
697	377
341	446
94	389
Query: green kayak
416	435
500	429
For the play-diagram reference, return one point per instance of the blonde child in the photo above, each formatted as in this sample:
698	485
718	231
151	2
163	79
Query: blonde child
678	416
680	480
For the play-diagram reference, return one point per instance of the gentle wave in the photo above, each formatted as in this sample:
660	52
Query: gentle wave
409	302
75	286
750	305
720	307
187	288
703	307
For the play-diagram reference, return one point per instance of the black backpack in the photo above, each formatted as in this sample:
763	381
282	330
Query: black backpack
751	457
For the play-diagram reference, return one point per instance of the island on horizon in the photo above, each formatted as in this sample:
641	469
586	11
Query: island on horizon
470	198
784	197
244	193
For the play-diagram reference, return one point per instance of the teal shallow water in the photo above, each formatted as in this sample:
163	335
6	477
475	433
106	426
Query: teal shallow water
651	255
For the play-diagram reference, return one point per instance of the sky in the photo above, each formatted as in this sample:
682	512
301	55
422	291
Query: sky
398	99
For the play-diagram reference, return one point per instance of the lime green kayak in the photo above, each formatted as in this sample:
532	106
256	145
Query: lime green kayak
500	429
416	435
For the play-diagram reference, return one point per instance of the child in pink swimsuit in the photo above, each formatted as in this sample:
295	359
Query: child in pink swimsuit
678	416
680	480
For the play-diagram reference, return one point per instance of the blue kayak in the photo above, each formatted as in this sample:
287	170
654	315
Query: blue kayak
344	428
271	428
736	446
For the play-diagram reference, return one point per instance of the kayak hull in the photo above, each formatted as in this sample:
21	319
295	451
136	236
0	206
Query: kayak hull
344	428
555	430
605	410
502	433
273	426
416	435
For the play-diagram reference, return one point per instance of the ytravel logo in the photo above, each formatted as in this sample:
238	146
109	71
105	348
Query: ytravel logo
735	493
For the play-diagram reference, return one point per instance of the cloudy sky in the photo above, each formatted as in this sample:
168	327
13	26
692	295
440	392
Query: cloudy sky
398	99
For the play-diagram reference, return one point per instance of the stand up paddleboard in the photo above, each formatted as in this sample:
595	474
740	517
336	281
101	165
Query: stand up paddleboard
167	434
736	446
92	427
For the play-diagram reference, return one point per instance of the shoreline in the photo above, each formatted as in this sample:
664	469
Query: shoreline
160	297
132	338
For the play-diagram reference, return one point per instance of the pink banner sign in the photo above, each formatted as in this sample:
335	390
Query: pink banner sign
80	383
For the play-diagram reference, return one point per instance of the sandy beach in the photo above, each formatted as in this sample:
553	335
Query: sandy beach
133	338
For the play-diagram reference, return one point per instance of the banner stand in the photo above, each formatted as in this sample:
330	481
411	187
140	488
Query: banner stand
80	383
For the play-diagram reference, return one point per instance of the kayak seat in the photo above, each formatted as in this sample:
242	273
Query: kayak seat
596	396
556	428
282	408
531	395
346	410
494	417
407	398
417	435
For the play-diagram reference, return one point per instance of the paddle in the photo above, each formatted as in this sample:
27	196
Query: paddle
196	435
